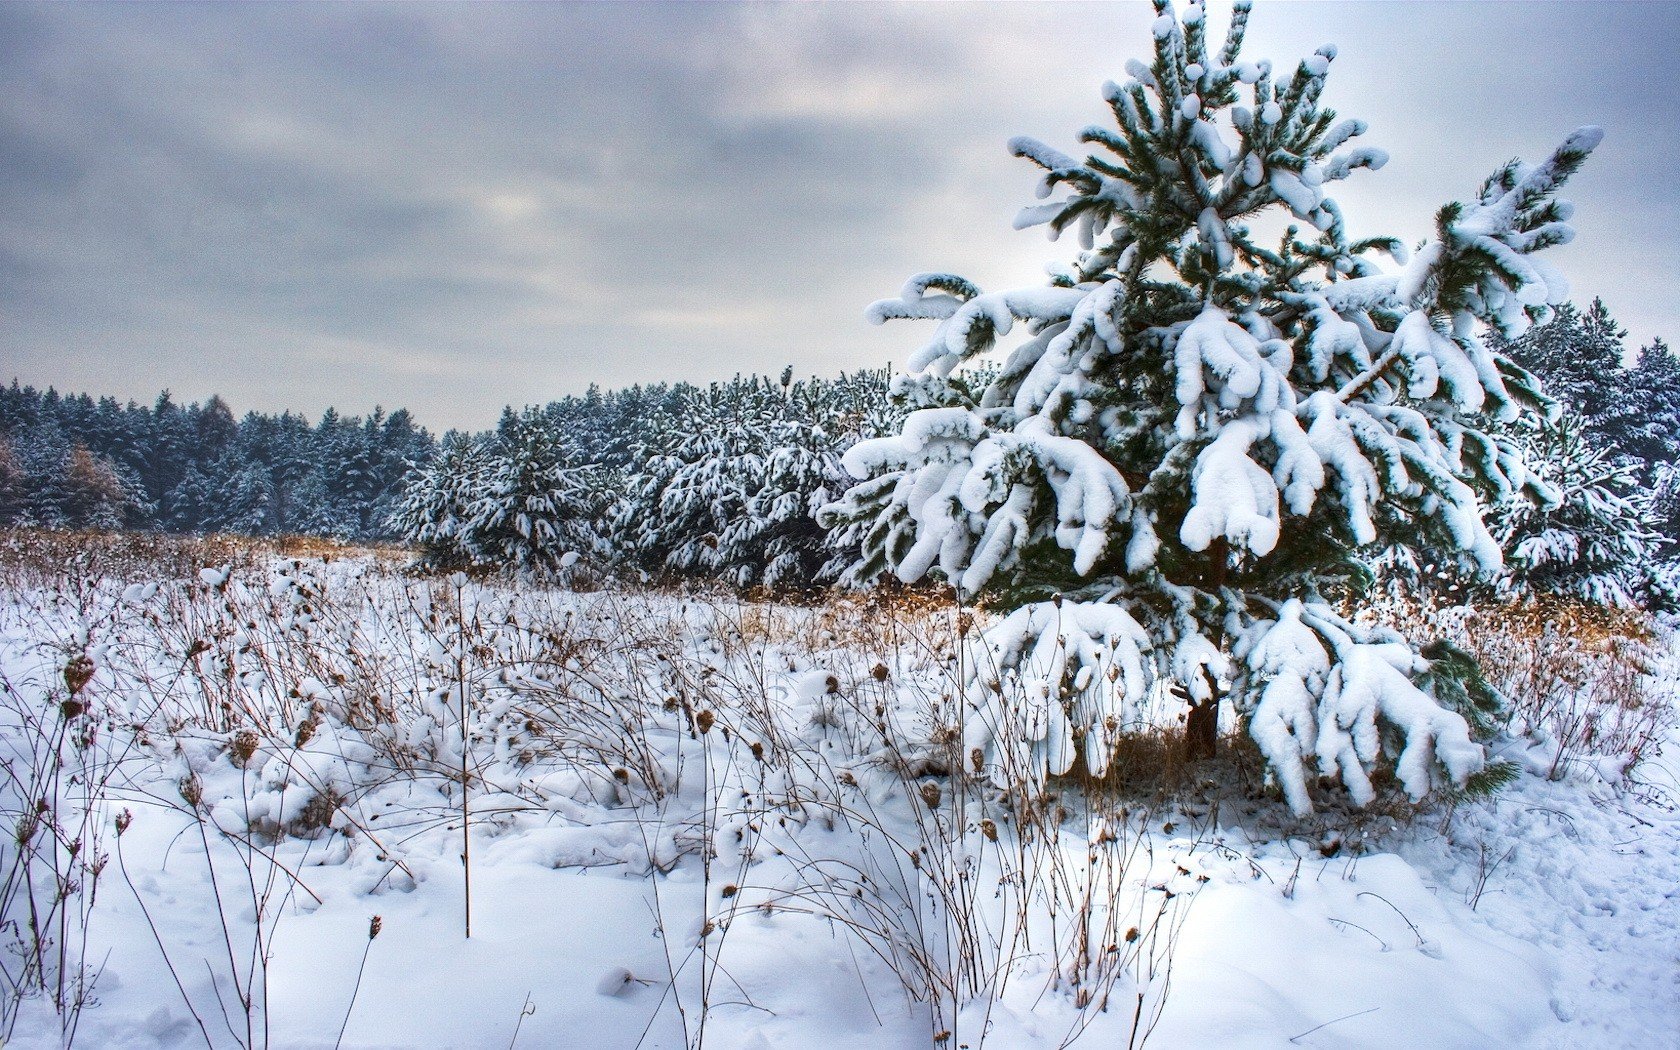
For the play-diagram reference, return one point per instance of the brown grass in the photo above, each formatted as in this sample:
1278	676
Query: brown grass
1585	674
30	556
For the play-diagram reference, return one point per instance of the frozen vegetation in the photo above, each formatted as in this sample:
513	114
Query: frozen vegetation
1221	644
694	817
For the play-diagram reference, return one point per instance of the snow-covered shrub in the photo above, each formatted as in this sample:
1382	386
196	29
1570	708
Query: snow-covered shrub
1202	432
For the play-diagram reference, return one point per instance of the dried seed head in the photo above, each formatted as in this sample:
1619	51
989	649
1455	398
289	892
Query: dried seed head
27	824
704	721
192	789
965	621
880	672
71	708
243	746
977	759
988	828
78	672
124	819
930	793
306	728
374	926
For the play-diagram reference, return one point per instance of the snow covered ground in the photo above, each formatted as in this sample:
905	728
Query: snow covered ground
687	827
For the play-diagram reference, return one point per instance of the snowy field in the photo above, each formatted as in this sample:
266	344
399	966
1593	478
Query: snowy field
706	821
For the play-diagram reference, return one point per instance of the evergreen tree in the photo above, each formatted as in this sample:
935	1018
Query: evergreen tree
1602	456
12	483
1577	356
520	500
729	478
437	504
1655	440
1592	543
44	454
244	498
1197	434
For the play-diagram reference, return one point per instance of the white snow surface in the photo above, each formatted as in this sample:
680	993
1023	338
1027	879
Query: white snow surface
1547	917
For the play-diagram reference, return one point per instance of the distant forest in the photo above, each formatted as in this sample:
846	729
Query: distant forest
74	461
70	461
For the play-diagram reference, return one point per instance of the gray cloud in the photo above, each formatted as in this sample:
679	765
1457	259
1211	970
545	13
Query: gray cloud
457	207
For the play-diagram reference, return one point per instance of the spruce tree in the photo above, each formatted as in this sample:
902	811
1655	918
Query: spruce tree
1592	541
1195	434
727	479
1577	356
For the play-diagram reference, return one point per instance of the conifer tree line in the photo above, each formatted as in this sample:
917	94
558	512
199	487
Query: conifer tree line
663	481
70	461
660	482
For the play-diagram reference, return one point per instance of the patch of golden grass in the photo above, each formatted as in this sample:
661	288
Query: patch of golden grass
1582	673
33	554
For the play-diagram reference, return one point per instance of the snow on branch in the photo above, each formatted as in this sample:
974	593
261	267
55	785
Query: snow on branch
1320	693
1050	682
973	496
1179	396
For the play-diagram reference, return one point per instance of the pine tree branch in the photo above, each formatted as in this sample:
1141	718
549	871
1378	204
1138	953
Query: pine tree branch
1358	383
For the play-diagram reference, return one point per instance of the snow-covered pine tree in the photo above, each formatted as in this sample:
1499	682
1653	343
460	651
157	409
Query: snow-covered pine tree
1611	457
437	501
540	508
1594	542
1655	380
728	477
1197	432
1577	356
517	500
1607	456
1655	440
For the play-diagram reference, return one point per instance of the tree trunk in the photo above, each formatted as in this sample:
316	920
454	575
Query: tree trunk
1201	727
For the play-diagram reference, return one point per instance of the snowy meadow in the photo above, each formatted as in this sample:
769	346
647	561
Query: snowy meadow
262	800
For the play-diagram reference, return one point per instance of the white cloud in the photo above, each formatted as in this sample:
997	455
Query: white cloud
473	205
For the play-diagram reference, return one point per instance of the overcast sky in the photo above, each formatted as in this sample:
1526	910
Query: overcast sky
453	208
